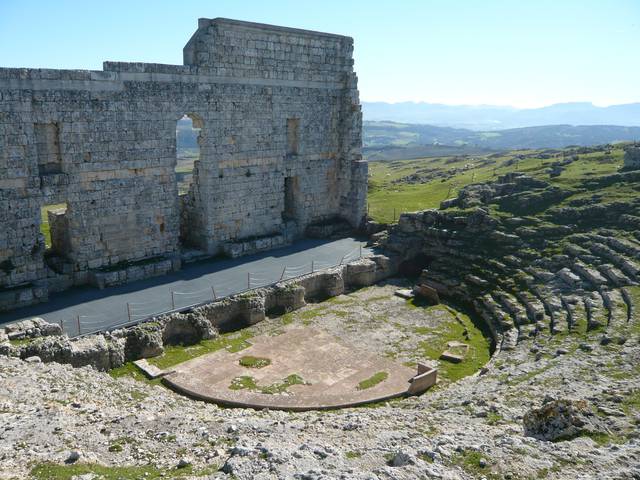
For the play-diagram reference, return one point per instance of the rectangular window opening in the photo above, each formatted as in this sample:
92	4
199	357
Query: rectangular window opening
47	136
293	132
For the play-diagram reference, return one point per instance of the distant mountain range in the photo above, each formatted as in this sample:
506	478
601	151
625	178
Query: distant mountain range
489	117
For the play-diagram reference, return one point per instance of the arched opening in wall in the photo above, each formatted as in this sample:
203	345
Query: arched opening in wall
187	150
54	226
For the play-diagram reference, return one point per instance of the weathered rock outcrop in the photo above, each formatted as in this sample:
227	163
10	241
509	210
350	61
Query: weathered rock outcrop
561	420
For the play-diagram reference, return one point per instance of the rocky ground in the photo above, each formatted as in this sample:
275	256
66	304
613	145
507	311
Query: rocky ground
469	429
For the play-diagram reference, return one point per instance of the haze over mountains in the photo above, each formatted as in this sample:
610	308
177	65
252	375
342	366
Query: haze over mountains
491	117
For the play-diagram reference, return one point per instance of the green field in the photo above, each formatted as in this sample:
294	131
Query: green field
386	197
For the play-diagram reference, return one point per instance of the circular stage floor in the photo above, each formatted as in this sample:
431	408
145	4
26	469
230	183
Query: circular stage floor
295	369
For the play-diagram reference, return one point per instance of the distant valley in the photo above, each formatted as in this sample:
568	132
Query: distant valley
393	141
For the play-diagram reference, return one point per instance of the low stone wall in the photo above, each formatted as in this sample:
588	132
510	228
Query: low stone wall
131	273
254	245
112	349
23	296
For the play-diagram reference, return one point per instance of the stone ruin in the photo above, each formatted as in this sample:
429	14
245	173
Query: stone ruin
632	157
280	152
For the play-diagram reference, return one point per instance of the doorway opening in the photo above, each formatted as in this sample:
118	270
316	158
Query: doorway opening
54	226
290	198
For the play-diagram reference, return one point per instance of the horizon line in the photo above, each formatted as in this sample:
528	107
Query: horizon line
494	105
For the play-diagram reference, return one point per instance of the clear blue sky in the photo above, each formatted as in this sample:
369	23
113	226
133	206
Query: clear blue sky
506	52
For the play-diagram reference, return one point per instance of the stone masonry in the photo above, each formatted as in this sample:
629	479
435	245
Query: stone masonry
280	150
632	157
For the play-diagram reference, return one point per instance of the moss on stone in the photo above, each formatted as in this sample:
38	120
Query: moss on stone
372	381
250	361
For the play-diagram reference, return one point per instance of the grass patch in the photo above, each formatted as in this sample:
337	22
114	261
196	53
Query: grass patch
372	381
456	326
18	342
130	370
351	454
471	461
175	354
311	314
390	194
52	471
246	382
250	361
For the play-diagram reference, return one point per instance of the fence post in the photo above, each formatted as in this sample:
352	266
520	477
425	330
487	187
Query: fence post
129	311
283	272
61	326
394	214
213	290
79	329
248	280
173	301
360	251
312	265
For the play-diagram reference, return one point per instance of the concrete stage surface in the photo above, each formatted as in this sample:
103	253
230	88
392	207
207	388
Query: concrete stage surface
330	369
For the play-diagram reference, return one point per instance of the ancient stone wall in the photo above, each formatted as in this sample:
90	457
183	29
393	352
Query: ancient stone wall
280	141
632	157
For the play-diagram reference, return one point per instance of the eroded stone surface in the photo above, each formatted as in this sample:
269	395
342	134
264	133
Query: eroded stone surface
330	369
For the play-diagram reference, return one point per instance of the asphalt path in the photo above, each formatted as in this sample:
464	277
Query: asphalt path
196	283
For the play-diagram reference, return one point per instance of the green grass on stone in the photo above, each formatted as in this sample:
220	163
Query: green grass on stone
385	197
249	361
52	471
634	293
175	354
450	329
372	381
246	382
470	460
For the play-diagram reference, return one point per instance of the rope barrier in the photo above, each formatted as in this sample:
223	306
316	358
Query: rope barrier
221	290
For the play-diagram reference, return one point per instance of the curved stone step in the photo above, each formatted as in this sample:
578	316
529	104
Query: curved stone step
622	245
628	266
490	321
618	309
633	309
597	313
502	320
571	280
553	307
575	307
513	306
591	275
575	250
535	308
615	275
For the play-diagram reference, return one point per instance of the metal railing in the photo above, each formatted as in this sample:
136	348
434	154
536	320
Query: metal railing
137	312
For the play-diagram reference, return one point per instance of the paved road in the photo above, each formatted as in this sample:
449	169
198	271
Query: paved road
99	309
